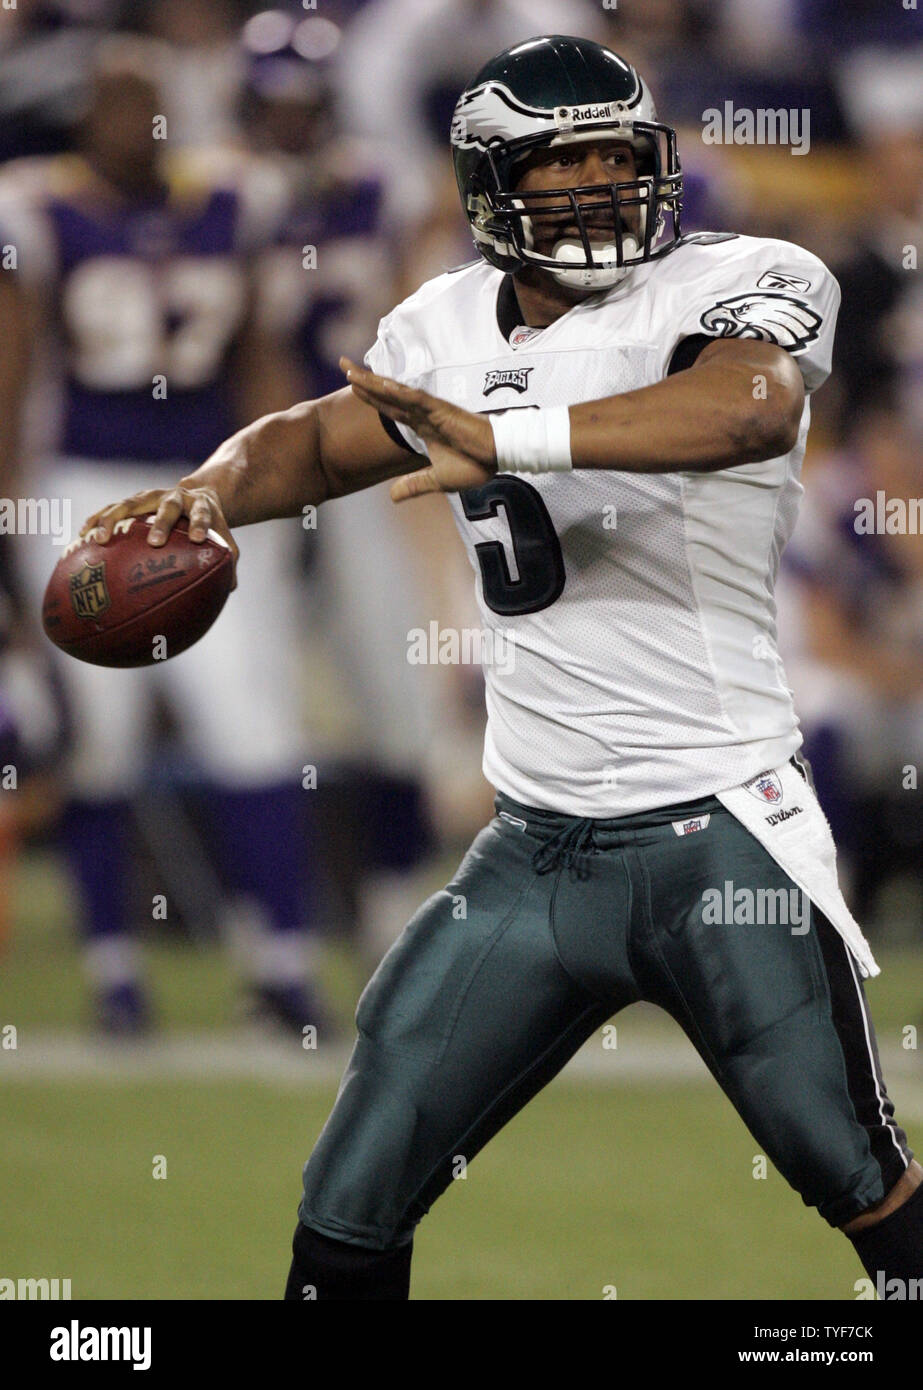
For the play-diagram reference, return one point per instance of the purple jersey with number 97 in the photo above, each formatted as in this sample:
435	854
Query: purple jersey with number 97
150	295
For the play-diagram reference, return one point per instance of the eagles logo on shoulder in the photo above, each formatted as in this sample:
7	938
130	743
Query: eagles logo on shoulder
776	318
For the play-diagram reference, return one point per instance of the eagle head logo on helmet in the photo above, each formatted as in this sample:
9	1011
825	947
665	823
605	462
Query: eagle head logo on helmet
558	91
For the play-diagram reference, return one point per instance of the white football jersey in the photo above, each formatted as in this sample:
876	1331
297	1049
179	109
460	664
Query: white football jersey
629	617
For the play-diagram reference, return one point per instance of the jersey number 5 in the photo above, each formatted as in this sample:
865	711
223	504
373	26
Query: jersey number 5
536	548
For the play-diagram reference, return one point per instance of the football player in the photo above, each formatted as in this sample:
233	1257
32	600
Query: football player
619	414
138	268
323	282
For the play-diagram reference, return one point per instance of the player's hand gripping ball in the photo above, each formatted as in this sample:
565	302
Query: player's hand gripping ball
128	603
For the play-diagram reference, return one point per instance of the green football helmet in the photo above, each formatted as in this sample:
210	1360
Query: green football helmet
554	91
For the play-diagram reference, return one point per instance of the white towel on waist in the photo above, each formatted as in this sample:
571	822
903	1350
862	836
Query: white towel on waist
781	810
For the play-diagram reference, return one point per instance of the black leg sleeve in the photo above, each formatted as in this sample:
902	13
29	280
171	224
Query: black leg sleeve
325	1268
894	1247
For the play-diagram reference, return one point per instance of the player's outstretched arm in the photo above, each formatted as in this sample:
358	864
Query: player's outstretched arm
740	401
273	468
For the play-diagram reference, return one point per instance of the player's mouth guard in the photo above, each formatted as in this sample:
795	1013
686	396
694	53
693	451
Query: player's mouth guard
794	830
569	251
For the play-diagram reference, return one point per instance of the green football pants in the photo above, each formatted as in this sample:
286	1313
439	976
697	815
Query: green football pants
550	926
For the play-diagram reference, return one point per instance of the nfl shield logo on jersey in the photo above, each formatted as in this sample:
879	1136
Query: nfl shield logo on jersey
766	787
89	594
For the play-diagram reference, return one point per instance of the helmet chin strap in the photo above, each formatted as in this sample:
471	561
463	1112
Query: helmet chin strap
576	274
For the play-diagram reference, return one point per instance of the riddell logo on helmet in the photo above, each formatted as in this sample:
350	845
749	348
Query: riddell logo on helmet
569	114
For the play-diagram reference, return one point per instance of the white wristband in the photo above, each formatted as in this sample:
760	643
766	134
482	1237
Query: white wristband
532	441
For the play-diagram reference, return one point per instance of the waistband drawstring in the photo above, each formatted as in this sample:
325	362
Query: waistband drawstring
564	848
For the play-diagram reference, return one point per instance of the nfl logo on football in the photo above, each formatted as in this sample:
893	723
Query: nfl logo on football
89	594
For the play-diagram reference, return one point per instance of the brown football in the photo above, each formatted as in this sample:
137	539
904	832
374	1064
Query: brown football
128	603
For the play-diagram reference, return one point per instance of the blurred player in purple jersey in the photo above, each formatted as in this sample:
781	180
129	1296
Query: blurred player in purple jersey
327	278
139	269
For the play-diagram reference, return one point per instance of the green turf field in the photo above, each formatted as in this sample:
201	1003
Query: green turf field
593	1185
615	1177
